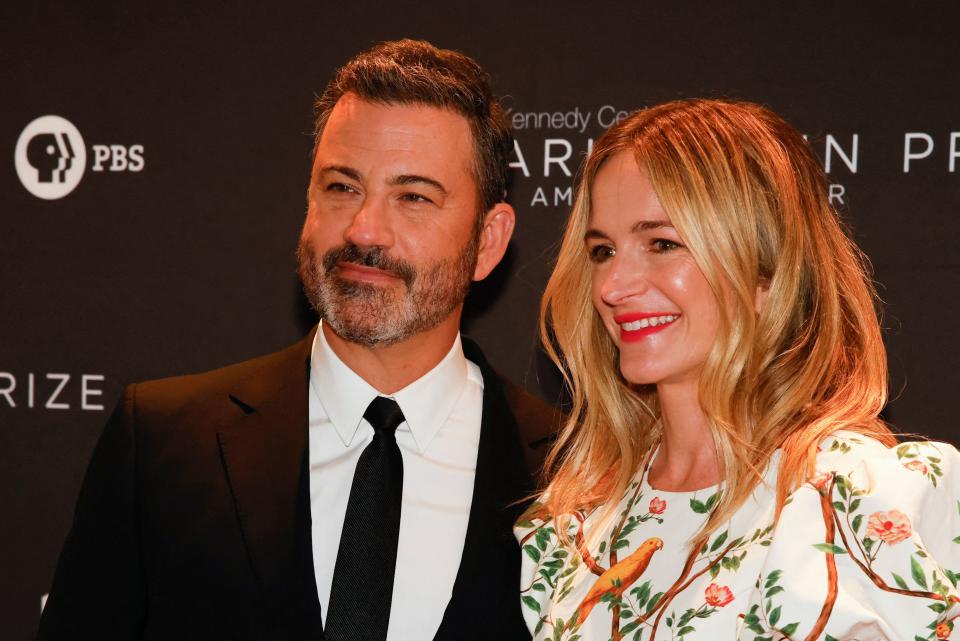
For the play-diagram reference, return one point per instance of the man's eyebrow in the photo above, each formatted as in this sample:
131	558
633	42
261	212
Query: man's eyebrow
349	172
411	179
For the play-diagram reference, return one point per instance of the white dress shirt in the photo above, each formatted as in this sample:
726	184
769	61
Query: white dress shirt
438	444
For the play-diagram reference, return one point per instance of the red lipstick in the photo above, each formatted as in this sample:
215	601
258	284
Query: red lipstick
637	326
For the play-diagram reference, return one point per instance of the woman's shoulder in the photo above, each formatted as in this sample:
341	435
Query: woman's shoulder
920	464
875	530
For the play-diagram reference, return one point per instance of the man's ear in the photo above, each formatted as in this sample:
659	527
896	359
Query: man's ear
495	235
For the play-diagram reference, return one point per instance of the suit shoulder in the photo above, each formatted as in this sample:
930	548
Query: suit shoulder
178	394
538	420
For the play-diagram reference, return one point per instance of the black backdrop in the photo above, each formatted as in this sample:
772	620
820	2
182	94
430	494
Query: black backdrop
184	261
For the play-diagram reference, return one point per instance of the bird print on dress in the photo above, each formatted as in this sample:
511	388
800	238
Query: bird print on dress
874	523
620	577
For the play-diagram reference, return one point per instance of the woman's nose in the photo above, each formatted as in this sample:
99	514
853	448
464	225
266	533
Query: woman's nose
623	279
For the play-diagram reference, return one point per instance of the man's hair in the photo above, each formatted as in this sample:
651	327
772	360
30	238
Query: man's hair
416	72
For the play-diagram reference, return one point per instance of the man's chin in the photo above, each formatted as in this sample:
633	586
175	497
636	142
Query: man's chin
369	333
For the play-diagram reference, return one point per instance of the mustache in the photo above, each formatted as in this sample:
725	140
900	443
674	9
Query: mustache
375	257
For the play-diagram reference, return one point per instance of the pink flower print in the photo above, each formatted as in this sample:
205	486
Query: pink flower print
718	595
917	466
657	505
890	527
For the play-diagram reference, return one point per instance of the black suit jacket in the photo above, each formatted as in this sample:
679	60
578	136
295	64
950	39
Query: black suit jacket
193	520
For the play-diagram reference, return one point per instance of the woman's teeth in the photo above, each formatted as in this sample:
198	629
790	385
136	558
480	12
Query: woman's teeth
651	321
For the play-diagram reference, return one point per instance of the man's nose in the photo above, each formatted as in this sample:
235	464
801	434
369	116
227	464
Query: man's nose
371	225
624	278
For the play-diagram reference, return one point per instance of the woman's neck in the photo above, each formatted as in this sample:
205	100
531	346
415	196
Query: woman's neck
687	458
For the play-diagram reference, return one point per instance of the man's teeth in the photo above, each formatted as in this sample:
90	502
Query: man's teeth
651	321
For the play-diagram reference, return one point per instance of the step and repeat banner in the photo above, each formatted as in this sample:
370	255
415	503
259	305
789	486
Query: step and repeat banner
157	161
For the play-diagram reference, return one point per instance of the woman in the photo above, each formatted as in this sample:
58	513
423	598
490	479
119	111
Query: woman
725	474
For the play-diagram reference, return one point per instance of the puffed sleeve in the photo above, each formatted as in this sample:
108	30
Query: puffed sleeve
869	549
542	558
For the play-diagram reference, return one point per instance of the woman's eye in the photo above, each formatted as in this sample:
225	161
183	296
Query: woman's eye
600	253
661	245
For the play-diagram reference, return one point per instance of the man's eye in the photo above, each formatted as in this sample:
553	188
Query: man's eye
413	197
340	188
661	245
600	253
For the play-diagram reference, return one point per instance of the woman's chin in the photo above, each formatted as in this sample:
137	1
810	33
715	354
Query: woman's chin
638	375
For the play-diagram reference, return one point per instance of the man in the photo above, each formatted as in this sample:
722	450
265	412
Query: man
263	500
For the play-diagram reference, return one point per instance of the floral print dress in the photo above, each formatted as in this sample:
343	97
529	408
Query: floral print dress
869	549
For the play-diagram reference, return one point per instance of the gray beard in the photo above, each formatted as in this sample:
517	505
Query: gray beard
376	316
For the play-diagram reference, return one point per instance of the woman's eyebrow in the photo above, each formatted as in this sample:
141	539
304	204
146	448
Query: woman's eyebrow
645	225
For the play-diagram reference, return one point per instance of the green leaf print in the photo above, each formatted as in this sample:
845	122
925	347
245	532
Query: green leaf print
857	521
532	552
787	630
916	570
774	615
829	548
899	581
719	541
641	594
531	603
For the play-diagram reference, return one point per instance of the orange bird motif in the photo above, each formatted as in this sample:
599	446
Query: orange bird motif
620	577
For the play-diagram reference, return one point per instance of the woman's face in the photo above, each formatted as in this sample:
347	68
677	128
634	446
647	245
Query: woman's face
650	293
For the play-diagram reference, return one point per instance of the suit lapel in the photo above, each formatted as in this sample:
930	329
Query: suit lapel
488	578
264	452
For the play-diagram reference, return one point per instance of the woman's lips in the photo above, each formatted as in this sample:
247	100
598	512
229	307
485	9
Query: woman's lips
637	326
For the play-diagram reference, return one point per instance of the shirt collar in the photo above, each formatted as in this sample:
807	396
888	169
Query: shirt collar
426	402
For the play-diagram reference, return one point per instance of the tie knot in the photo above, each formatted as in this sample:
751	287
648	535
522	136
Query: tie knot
384	415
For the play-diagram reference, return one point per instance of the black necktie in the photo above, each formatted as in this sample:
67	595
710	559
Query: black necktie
362	586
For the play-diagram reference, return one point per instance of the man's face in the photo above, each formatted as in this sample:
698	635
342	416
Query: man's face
389	245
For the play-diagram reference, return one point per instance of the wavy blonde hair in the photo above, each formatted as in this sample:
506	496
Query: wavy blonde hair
749	199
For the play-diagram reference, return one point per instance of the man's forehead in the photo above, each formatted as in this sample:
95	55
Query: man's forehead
375	134
352	111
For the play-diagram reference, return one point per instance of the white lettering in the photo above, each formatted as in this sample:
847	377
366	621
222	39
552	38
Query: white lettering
51	402
30	386
520	163
836	194
7	392
136	158
118	157
549	159
86	391
101	153
565	196
909	155
954	152
850	161
608	115
539	197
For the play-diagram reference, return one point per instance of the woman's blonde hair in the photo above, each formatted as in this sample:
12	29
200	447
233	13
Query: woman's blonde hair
749	199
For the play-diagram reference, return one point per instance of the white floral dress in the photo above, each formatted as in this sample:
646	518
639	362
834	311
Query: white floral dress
867	550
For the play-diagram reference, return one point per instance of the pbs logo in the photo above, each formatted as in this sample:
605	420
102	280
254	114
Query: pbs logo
50	157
